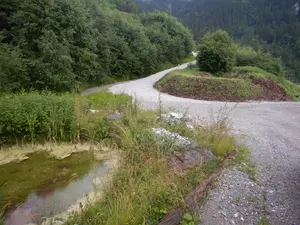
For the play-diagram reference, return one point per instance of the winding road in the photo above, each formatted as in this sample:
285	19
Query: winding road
270	129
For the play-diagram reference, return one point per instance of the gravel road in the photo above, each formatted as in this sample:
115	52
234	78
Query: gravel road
270	129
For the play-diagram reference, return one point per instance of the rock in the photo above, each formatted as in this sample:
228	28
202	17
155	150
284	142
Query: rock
115	116
173	118
178	139
94	110
189	159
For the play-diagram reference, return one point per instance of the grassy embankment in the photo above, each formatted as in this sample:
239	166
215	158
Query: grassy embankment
145	187
242	84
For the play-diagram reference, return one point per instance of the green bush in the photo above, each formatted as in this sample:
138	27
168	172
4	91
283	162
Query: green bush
247	56
13	75
217	52
33	116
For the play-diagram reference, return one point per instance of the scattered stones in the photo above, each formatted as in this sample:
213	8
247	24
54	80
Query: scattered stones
178	139
115	116
238	197
173	118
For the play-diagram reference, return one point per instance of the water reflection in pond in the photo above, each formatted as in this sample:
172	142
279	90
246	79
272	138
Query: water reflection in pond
58	192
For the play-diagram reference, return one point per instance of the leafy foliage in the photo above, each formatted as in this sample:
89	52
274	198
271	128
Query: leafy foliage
247	56
269	25
216	52
59	45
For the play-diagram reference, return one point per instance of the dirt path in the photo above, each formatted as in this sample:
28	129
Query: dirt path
270	130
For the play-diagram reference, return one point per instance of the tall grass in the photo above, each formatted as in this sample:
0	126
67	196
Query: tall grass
31	117
144	188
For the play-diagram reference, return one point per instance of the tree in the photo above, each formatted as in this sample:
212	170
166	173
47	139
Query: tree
217	52
13	75
172	40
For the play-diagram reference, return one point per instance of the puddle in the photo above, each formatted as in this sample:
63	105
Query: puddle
43	186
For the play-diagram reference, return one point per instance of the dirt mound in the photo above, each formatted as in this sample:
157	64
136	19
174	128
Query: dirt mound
271	91
233	89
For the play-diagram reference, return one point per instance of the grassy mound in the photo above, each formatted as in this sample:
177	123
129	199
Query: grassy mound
243	84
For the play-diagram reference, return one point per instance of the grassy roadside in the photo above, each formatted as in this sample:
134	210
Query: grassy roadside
243	84
145	187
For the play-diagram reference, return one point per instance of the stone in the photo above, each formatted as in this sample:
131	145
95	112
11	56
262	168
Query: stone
178	139
115	116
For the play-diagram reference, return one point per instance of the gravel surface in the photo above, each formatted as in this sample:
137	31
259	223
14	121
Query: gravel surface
237	200
272	132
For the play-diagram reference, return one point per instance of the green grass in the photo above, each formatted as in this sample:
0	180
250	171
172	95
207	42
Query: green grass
188	83
290	87
244	163
40	117
187	59
185	83
144	188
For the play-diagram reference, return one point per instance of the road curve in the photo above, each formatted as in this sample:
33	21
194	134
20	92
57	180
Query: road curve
272	132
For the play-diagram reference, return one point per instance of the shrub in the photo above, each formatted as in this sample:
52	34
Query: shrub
247	56
217	52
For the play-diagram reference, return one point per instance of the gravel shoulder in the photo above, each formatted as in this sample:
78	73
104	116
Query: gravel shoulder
270	129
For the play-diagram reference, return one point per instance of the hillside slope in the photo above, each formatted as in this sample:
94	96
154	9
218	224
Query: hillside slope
272	25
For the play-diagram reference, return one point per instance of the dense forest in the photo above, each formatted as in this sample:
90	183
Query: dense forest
60	45
269	25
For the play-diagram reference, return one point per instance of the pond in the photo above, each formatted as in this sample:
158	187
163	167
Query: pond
43	186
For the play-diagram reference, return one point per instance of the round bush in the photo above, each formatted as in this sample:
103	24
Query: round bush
217	53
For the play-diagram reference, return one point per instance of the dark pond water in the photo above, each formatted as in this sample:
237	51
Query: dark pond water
53	195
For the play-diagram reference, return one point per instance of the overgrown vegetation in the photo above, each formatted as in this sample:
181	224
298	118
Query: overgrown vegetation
51	117
60	45
145	188
256	75
269	26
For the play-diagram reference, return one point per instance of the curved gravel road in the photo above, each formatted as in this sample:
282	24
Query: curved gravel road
270	129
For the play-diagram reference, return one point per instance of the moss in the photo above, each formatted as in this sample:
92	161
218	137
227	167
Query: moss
39	173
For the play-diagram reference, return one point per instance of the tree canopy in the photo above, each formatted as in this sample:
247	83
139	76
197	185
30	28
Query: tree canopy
267	25
59	45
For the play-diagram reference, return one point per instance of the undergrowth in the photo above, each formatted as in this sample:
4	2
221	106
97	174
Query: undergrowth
39	117
144	188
